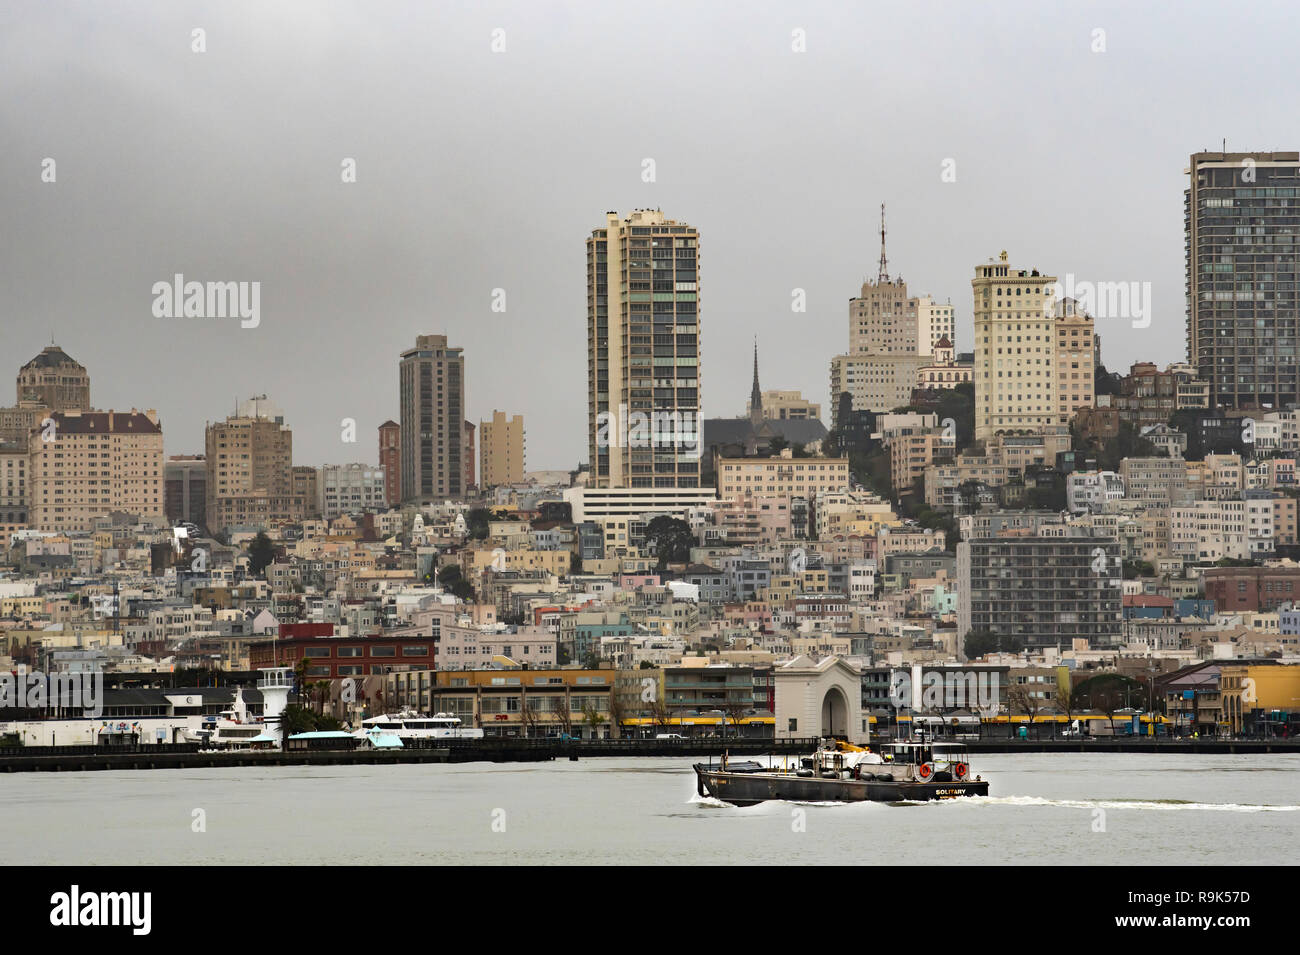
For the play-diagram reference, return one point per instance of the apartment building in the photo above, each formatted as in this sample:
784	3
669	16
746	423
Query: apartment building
185	484
432	441
97	462
501	444
784	475
911	452
390	459
1016	345
1156	482
1047	587
1251	588
1207	531
350	489
877	383
13	487
643	352
785	406
1243	324
250	469
527	703
1006	456
1075	369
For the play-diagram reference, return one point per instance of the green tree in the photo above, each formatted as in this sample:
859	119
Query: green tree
477	523
672	538
979	642
1109	692
593	717
1105	382
261	552
297	719
452	581
1127	444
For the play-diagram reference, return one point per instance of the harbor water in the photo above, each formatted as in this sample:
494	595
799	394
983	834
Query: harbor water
1044	808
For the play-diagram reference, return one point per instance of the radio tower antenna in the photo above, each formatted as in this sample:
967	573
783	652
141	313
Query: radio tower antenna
883	276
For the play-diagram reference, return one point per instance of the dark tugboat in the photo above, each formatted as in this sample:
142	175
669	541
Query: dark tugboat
843	772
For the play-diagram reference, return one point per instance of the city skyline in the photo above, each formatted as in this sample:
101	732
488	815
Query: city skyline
367	270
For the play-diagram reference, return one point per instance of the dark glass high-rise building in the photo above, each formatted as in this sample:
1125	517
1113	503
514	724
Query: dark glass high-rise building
1241	221
432	400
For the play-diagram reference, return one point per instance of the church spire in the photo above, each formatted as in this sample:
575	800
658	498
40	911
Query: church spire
883	275
755	394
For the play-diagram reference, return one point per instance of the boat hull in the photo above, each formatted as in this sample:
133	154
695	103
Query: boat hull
748	789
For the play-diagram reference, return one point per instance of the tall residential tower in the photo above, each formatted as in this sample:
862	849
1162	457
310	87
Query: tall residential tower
432	420
1242	227
643	355
1015	349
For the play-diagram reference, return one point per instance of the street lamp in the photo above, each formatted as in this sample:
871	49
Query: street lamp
723	714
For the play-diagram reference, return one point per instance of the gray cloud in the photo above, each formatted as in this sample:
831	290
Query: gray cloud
479	171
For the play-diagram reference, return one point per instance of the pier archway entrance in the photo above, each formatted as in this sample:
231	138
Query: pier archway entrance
835	713
819	697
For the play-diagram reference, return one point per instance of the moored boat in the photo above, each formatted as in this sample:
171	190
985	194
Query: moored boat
843	772
411	727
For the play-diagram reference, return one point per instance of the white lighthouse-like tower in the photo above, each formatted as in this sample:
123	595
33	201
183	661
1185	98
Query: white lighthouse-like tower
275	684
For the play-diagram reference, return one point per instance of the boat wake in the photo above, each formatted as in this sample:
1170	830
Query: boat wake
1158	805
711	802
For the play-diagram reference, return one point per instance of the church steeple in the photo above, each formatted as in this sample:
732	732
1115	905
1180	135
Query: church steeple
883	275
755	394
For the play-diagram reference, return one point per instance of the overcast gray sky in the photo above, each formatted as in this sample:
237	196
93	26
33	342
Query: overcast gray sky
479	170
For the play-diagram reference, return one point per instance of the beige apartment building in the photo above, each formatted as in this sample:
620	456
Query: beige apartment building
934	324
98	462
893	338
800	477
914	451
251	478
306	485
1015	346
501	449
13	487
878	383
1156	482
786	406
1284	519
1005	457
643	352
1075	356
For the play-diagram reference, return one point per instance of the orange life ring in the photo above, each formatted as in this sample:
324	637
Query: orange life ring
925	771
960	770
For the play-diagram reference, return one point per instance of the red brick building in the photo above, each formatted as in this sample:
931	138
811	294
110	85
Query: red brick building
1251	588
330	657
390	459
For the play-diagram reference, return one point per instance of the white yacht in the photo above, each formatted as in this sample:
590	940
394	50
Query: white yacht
408	726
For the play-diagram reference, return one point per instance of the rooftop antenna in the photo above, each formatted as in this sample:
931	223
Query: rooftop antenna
883	276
